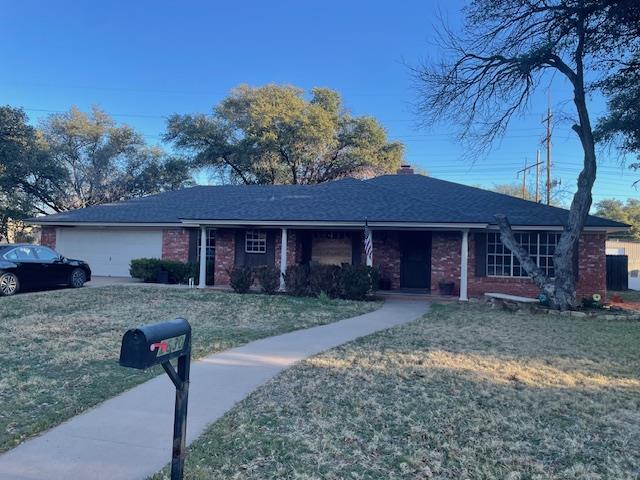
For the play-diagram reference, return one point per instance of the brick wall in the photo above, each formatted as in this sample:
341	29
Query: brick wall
48	237
225	255
445	259
591	272
175	244
592	265
386	255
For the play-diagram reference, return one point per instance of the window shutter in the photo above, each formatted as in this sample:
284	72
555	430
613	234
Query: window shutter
239	260
356	248
481	254
271	249
193	244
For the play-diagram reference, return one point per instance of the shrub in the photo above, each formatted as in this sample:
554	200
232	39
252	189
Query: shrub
148	269
269	278
325	279
241	279
358	281
296	280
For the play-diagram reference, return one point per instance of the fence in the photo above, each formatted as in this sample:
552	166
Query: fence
617	272
630	249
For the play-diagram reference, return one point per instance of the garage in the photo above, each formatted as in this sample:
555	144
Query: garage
109	251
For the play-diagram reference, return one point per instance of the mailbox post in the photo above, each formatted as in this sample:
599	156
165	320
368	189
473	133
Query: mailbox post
159	343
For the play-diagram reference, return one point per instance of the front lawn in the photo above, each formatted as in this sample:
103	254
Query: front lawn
467	392
60	349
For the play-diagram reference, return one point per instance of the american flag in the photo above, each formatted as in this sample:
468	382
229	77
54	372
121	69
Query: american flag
368	244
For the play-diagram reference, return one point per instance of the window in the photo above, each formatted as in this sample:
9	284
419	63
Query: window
46	254
331	248
547	245
540	246
255	241
21	254
211	245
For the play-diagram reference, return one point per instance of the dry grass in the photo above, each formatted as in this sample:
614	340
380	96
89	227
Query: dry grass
465	393
60	349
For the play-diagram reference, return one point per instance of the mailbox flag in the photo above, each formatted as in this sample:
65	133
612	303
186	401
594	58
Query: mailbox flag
162	346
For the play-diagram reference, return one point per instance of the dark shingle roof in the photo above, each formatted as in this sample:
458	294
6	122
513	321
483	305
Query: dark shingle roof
478	205
389	198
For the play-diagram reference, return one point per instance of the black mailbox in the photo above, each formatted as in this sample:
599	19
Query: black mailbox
155	344
158	344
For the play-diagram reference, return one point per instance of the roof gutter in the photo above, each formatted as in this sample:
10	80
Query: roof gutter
320	224
104	224
329	224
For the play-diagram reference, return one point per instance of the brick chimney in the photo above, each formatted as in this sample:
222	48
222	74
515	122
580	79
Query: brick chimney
405	170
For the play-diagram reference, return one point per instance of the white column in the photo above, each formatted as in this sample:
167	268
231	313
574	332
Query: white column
202	281
283	259
370	256
464	261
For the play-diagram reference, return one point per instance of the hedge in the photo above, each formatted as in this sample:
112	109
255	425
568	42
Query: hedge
149	270
353	282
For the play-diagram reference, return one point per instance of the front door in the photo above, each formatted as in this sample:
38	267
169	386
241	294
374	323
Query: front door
415	260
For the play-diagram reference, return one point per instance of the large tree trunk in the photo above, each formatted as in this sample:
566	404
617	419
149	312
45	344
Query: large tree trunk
561	290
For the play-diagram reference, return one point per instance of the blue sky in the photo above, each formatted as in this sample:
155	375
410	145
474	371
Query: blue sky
143	60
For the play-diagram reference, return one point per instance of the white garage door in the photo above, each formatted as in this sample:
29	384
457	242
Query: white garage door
108	251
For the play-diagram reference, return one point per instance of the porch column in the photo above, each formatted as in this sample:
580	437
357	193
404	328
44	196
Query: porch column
464	260
368	246
202	281
283	258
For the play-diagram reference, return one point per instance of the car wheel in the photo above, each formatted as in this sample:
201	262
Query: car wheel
9	284
78	277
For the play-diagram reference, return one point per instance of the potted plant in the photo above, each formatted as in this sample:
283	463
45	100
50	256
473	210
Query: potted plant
445	287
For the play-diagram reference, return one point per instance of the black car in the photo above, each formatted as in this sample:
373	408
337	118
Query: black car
24	265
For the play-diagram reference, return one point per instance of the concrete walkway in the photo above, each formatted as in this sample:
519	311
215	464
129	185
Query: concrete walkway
129	436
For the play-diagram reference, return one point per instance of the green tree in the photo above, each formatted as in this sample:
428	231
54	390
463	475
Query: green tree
628	213
104	162
27	173
621	125
489	72
273	135
514	190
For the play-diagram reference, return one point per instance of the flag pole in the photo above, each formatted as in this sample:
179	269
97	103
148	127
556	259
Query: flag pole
368	243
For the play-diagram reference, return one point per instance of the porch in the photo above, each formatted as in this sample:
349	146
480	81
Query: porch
409	261
408	258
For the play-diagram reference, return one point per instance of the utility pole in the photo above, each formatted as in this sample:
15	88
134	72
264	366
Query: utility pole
548	141
524	176
537	176
524	180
